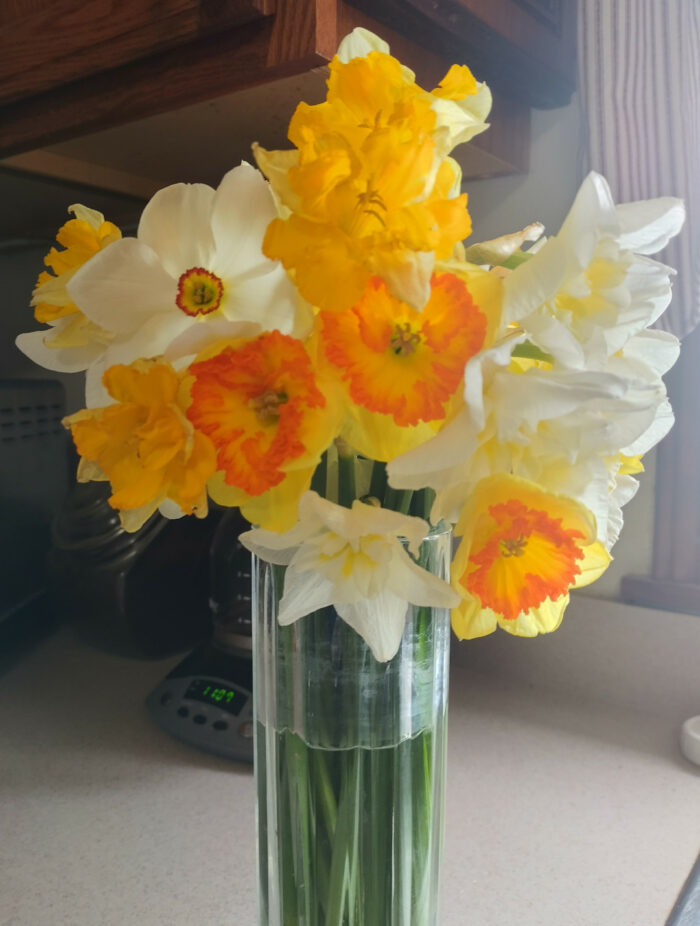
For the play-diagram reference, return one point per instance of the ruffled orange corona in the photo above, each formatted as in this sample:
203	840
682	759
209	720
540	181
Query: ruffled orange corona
401	362
144	445
258	402
522	550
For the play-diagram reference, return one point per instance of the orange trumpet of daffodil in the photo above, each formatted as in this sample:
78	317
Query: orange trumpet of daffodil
401	362
259	403
522	550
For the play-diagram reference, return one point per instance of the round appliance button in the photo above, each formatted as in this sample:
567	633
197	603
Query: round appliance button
246	730
199	718
183	711
220	725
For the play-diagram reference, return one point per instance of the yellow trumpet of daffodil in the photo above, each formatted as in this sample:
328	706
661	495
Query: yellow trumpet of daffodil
144	445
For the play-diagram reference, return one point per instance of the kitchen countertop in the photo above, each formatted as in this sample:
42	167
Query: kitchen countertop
564	808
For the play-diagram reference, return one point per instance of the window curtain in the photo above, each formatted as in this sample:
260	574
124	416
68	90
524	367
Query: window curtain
639	82
639	79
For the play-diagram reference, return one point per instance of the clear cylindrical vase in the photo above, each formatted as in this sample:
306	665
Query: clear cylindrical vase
349	762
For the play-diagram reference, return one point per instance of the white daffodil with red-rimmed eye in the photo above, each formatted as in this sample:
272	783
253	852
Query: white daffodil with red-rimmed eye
590	288
353	559
195	273
522	550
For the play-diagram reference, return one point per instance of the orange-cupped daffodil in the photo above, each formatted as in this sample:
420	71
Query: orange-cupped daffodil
521	551
259	403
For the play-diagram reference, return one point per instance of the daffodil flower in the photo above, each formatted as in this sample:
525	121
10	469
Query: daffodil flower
561	428
144	446
353	560
370	189
269	418
72	342
461	104
194	274
590	288
522	550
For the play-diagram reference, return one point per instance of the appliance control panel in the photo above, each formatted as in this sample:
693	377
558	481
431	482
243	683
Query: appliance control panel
207	702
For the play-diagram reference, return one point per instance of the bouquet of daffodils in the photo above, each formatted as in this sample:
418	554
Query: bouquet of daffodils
313	343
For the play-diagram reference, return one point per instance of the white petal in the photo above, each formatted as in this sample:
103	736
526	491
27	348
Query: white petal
591	216
535	281
659	427
176	225
657	349
649	225
93	218
169	509
61	359
273	547
353	523
379	621
555	338
198	335
409	280
541	395
304	593
359	44
418	586
432	463
463	119
243	207
122	286
266	298
151	340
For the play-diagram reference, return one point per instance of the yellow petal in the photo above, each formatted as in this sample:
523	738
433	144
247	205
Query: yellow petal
456	84
596	560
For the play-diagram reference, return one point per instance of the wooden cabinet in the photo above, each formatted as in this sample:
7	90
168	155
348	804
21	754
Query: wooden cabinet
48	43
134	88
523	48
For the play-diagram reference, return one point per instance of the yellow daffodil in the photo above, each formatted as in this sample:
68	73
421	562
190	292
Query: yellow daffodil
370	189
352	559
74	341
144	445
522	550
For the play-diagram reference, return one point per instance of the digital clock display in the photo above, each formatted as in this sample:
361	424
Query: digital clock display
212	692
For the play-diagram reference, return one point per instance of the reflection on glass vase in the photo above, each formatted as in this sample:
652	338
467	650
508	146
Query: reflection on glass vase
349	763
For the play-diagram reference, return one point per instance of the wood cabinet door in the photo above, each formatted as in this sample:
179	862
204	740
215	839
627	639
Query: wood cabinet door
47	43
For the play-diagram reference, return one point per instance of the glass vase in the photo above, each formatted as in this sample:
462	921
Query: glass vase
349	762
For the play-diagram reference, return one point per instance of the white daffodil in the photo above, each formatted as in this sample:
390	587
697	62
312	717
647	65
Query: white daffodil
567	430
505	407
590	288
354	560
195	273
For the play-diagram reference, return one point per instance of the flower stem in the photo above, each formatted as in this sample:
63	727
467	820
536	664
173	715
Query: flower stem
346	474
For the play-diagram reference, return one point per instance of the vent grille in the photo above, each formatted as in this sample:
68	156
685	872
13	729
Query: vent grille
28	422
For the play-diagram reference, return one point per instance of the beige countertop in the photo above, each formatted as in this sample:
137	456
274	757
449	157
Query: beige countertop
568	802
